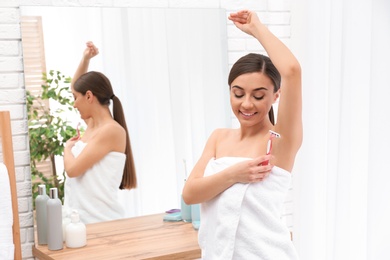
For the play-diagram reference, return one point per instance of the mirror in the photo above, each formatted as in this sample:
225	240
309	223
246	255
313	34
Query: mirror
168	67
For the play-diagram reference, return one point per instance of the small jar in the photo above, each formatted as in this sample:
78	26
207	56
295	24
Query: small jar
76	232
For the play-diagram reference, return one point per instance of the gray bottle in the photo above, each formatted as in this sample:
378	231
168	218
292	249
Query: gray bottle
54	221
41	214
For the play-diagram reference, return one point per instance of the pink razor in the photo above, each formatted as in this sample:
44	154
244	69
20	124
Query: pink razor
269	144
78	131
77	137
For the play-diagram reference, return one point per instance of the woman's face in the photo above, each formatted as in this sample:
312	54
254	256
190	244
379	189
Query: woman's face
80	103
251	97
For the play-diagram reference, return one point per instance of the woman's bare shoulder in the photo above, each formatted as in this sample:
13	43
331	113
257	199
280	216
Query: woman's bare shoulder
219	134
113	131
223	133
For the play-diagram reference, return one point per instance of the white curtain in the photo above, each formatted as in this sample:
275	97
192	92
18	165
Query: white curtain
173	79
341	178
169	69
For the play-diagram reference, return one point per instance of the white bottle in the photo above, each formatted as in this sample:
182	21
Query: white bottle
54	221
76	232
41	214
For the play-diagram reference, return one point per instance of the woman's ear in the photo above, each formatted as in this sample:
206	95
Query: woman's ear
276	95
89	96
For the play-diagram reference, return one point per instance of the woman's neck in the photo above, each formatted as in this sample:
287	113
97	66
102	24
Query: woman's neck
100	117
255	130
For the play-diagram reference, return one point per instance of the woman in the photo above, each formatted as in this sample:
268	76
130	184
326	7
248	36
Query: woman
100	162
241	187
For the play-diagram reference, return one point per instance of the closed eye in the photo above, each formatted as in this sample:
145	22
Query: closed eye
238	96
259	98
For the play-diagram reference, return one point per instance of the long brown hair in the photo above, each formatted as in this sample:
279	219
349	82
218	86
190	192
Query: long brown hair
100	86
254	62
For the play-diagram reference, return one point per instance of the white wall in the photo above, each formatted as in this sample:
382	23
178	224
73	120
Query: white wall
275	13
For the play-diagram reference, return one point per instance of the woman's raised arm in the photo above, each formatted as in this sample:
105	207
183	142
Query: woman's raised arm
289	117
90	51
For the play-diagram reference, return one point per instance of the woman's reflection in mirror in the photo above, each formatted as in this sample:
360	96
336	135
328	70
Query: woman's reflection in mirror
100	162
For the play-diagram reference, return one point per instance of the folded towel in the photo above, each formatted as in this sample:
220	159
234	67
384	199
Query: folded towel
244	221
6	216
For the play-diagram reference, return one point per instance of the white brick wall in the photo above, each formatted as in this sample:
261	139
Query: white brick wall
275	13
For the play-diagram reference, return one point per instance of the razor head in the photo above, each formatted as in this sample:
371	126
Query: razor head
274	134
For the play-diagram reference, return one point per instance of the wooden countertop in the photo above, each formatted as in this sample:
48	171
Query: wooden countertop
146	237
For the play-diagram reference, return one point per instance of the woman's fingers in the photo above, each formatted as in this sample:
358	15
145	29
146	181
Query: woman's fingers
93	50
74	138
263	160
240	17
260	176
259	172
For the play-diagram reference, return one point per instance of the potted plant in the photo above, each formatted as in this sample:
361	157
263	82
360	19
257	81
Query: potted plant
49	128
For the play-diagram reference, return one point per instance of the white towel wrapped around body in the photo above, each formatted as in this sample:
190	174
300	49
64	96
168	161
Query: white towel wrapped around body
244	221
6	216
95	193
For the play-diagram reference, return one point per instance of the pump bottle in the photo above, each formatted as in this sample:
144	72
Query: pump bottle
76	232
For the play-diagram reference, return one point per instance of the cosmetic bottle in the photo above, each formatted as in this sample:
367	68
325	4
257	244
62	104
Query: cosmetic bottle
76	232
41	214
195	215
185	211
54	221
